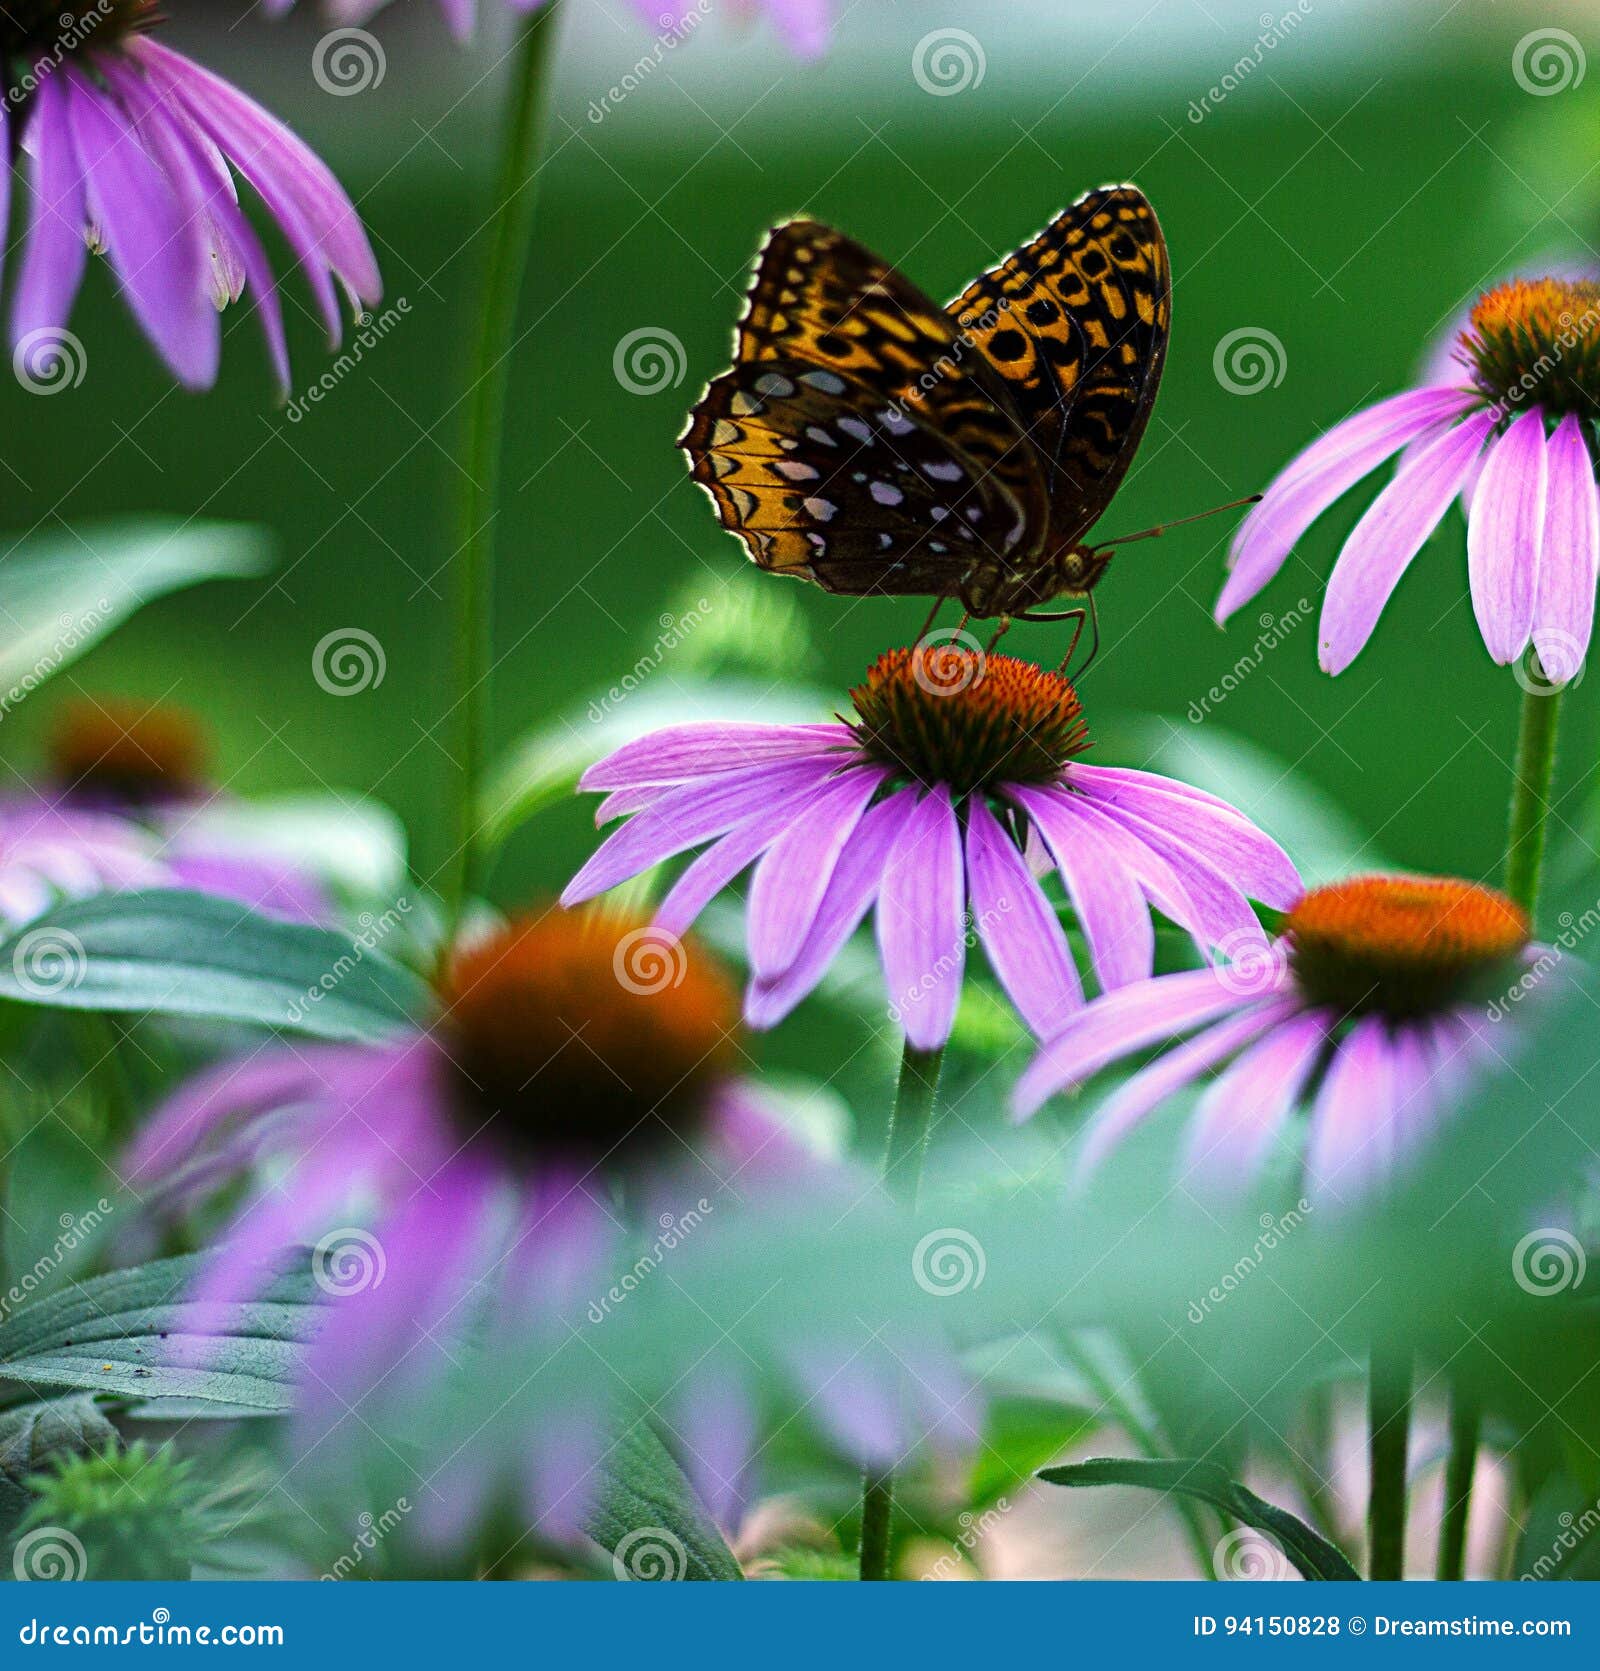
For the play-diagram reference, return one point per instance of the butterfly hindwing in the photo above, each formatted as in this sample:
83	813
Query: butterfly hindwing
823	480
1076	322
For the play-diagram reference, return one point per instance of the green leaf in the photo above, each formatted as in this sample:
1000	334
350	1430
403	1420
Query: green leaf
649	1518
170	952
1021	1434
63	593
1313	1556
30	1434
134	1332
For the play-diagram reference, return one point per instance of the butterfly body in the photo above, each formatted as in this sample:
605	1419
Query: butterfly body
875	443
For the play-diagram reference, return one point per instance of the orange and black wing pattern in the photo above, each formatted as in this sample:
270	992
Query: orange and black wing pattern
1076	323
858	440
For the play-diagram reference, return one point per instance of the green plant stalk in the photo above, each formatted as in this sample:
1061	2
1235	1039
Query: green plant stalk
909	1124
1525	841
1389	1422
472	565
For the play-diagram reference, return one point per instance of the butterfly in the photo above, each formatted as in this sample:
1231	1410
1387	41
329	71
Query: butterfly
875	443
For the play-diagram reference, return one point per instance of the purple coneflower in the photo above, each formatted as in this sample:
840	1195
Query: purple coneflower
1512	437
133	150
804	24
148	766
580	1080
50	853
1370	1009
957	770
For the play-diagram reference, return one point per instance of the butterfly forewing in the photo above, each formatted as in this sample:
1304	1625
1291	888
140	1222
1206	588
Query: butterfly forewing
1076	322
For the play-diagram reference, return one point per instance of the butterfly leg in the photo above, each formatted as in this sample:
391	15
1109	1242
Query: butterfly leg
1085	612
933	615
999	633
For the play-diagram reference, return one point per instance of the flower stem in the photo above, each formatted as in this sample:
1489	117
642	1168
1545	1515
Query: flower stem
1525	833
907	1142
1389	1421
500	289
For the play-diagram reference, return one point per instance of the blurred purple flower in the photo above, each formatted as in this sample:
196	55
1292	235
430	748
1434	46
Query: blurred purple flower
49	853
1373	1008
1510	434
580	1084
958	772
132	151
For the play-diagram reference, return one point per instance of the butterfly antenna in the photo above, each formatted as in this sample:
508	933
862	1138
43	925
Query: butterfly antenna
1199	516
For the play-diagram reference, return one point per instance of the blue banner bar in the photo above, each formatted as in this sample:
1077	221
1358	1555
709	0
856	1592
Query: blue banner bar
786	1624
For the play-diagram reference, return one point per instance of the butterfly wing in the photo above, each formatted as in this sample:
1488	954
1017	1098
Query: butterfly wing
859	439
1076	323
824	480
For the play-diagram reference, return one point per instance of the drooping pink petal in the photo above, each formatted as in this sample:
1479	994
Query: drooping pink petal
1353	1126
716	1422
692	814
1391	533
1505	535
54	254
851	891
713	870
1105	893
1231	843
1120	1023
921	936
1168	1074
792	877
1020	932
1563	610
1324	472
682	753
153	246
1243	1108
